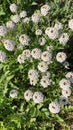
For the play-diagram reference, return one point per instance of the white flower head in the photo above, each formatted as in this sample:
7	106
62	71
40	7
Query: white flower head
70	24
28	94
42	41
45	9
35	18
54	107
66	93
9	45
3	30
13	8
38	97
2	56
38	32
52	33
13	93
45	82
63	100
64	38
33	74
33	81
69	76
26	53
65	84
61	57
15	18
58	26
42	66
21	58
36	53
46	56
10	25
26	20
24	39
23	14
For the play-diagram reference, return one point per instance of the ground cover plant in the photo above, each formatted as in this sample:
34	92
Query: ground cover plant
36	65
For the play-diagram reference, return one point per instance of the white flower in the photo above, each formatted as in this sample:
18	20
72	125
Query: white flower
21	58
42	41
28	94
9	45
26	53
38	32
13	8
38	97
46	56
33	81
23	14
63	100
32	74
70	24
64	84
45	9
69	76
36	53
58	26
10	25
15	18
64	38
35	18
26	20
45	82
42	66
2	56
3	30
54	107
66	93
13	93
61	57
52	33
24	39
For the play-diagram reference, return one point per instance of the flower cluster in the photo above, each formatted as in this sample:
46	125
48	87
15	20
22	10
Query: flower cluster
36	48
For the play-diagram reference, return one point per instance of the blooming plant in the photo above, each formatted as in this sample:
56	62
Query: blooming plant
36	74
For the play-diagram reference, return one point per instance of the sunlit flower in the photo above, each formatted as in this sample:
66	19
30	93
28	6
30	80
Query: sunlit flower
24	39
52	33
66	93
64	84
46	56
36	53
23	14
64	38
13	8
61	57
38	97
28	94
69	76
9	45
54	107
42	66
42	41
21	58
35	18
45	9
45	82
38	32
58	26
15	18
